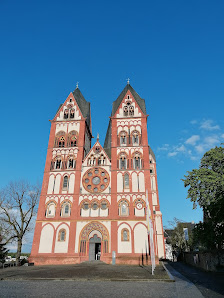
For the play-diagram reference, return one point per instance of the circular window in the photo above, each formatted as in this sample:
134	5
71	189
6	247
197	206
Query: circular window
95	180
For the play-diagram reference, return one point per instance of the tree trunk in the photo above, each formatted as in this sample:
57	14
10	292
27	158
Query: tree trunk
18	254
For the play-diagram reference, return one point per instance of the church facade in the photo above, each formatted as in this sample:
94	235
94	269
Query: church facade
93	199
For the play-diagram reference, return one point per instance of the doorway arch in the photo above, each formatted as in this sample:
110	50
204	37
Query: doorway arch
88	232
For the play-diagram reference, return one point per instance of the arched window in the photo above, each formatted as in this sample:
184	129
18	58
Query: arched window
65	210
135	138
104	205
124	235
125	111
131	111
61	142
65	183
123	209
101	160
60	139
137	163
94	206
71	163
126	180
62	235
72	113
123	162
123	138
58	164
73	139
50	211
85	206
66	114
92	160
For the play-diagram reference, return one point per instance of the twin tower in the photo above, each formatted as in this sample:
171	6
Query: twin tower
93	199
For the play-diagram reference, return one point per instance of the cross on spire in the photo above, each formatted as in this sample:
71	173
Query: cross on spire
77	85
128	80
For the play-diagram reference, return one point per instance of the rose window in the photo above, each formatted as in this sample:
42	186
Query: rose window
96	180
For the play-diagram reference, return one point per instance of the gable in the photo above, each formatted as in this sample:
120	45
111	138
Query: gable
69	110
128	107
139	101
97	152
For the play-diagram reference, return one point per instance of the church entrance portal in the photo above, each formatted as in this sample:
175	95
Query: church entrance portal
94	248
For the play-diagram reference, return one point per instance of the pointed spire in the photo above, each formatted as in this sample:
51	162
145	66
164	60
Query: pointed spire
77	85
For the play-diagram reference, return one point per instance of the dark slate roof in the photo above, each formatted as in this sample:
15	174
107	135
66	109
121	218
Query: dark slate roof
140	101
107	142
83	105
152	153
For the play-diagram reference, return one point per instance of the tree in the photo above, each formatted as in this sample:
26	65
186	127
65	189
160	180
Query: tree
177	236
206	190
18	202
3	251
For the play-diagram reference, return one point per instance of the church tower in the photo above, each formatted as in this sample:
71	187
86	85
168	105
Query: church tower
93	199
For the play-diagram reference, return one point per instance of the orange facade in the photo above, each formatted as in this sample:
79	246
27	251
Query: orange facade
93	199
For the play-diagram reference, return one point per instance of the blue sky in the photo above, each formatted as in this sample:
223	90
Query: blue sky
171	50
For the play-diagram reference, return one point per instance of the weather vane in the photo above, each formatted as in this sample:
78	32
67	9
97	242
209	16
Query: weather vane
128	81
77	85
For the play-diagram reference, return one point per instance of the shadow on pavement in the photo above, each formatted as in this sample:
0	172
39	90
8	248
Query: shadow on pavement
210	284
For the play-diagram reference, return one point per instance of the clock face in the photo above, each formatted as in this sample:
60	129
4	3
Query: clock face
95	180
139	206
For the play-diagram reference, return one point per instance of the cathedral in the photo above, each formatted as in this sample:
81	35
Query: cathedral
93	198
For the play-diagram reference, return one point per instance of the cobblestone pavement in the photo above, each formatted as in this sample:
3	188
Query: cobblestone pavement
84	271
17	283
210	284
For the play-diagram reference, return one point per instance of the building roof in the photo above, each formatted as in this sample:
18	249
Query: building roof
83	105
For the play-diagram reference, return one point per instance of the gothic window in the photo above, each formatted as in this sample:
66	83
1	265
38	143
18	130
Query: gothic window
123	138
65	183
123	207
62	235
135	138
50	211
65	209
72	139
61	142
60	139
66	114
125	110
124	235
72	114
126	180
151	171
